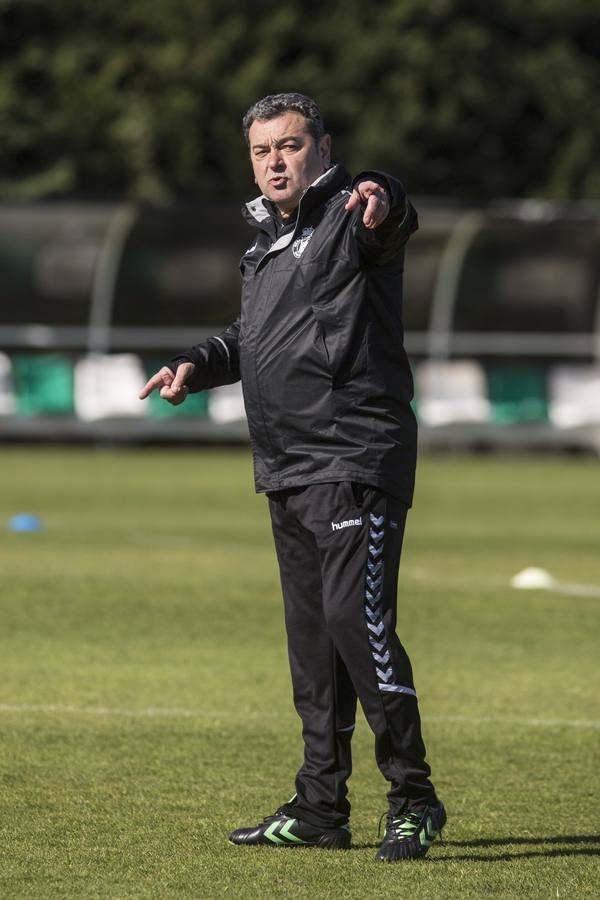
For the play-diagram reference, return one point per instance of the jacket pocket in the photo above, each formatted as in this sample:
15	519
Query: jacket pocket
321	343
294	383
327	328
345	340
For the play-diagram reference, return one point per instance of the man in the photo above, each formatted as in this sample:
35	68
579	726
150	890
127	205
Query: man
327	389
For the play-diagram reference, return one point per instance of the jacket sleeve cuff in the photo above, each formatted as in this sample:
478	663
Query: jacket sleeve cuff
197	356
381	178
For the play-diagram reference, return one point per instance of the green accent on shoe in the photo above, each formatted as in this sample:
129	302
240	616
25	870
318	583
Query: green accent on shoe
411	834
428	834
405	827
285	832
279	832
270	833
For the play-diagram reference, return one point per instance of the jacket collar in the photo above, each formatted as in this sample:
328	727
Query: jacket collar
261	212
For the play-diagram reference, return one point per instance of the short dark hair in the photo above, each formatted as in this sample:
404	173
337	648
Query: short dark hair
276	104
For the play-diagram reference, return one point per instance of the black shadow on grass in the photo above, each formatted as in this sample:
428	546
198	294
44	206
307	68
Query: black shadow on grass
504	841
525	854
566	840
566	850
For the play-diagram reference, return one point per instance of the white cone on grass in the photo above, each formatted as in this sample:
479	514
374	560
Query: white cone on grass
533	579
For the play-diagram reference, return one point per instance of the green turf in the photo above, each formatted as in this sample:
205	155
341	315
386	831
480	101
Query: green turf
145	701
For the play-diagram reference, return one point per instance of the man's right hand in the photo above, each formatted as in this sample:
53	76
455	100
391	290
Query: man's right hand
171	385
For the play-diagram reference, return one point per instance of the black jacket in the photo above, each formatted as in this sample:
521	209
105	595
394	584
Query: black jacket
318	344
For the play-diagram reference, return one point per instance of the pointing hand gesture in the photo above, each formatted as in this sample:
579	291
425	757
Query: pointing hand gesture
375	198
171	385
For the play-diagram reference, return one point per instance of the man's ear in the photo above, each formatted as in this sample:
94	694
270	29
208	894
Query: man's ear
325	149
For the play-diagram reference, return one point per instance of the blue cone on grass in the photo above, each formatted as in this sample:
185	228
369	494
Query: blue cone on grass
25	522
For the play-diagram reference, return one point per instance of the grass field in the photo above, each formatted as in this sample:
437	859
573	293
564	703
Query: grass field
145	702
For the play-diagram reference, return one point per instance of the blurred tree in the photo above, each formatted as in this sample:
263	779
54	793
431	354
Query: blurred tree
144	97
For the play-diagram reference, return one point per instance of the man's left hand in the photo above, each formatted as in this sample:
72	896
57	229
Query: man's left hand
375	198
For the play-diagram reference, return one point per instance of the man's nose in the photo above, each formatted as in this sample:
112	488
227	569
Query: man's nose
275	158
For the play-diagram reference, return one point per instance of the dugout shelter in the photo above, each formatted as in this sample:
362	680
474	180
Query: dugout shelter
502	318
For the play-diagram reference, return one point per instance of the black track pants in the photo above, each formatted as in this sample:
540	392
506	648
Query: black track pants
338	547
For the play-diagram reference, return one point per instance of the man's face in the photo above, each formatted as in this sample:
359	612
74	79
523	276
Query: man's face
286	159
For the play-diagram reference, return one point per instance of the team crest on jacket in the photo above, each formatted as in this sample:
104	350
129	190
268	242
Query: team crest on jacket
299	245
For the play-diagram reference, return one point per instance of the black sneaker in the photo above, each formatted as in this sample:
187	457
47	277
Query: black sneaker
280	830
410	834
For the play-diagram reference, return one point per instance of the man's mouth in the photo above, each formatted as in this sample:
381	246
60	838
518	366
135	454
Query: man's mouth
278	182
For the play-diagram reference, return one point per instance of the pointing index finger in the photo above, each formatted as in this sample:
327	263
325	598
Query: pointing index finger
158	380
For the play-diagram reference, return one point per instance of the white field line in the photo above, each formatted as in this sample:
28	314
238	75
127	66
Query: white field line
176	712
575	590
427	576
515	720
